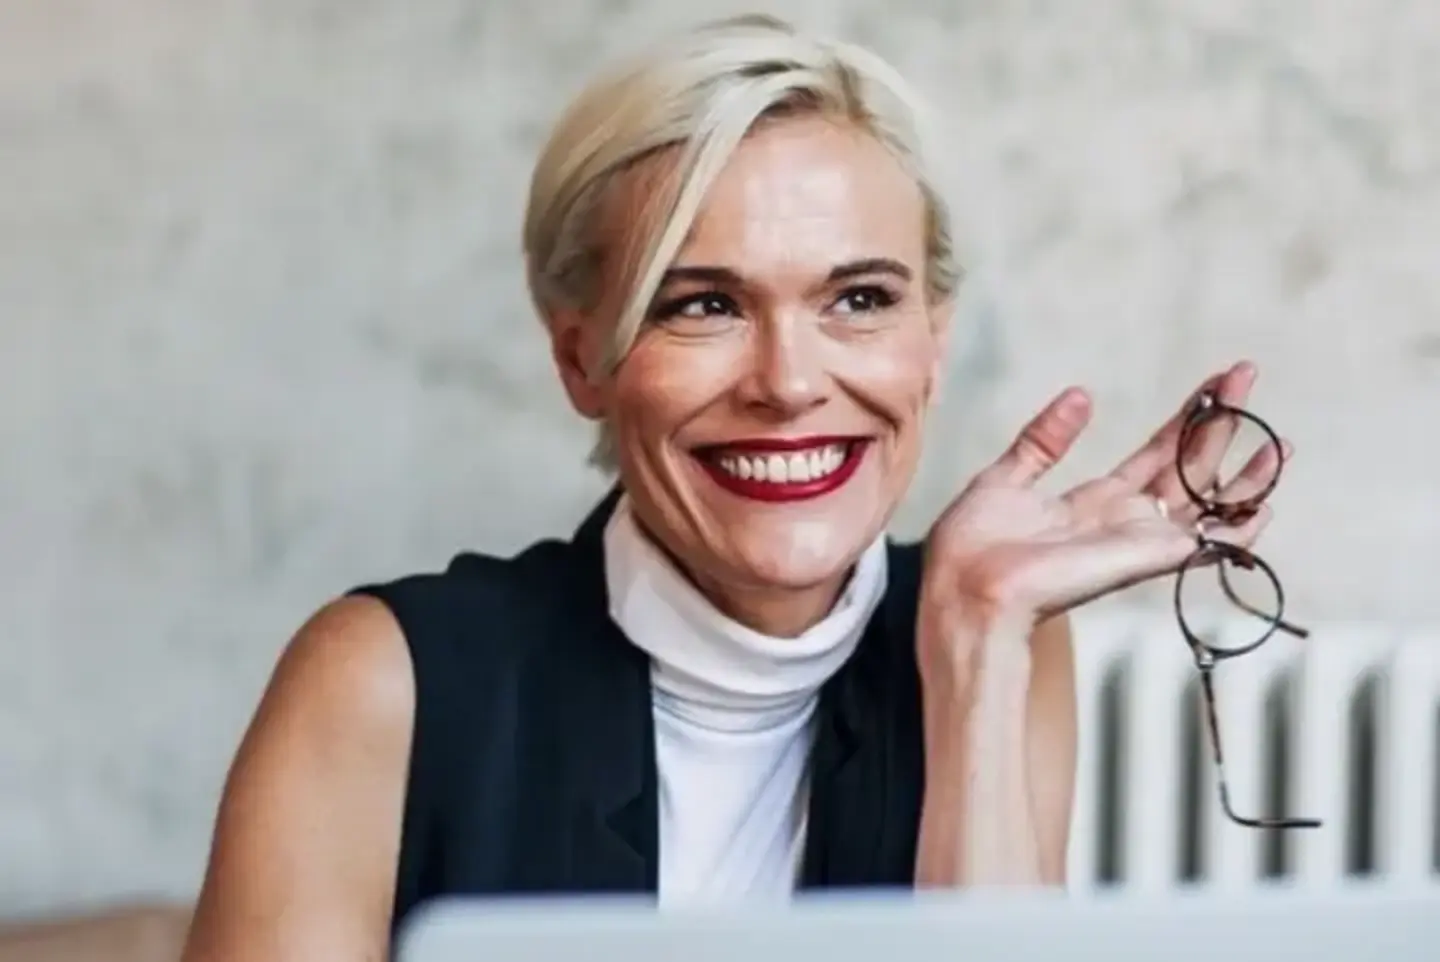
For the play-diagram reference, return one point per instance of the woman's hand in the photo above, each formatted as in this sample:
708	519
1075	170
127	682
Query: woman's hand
1006	548
997	686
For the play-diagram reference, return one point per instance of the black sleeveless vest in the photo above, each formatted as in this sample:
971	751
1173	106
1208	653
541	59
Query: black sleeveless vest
532	767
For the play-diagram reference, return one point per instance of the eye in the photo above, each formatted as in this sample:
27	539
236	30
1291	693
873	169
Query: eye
694	307
865	299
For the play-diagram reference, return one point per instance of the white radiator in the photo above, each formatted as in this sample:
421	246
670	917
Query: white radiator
1342	727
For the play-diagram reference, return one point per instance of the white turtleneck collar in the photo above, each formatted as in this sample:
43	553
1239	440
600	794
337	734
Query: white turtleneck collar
733	719
710	669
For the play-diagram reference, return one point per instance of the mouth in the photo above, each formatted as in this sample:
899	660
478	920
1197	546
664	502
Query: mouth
783	469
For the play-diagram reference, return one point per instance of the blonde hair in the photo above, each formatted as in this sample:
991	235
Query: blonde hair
701	92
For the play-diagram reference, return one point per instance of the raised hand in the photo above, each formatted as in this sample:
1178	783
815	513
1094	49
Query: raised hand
1005	545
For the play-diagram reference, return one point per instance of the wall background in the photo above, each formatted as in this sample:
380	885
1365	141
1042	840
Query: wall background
263	333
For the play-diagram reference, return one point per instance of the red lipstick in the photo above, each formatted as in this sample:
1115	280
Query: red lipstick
784	469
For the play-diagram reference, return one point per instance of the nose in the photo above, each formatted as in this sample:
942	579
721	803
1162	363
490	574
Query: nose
787	374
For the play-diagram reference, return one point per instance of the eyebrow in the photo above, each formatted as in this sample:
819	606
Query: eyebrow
840	272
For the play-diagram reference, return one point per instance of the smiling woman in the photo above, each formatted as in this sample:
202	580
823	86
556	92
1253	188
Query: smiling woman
729	683
794	319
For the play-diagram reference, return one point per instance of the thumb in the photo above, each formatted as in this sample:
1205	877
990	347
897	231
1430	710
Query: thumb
1045	440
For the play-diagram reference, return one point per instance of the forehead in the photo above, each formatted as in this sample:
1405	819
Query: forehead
802	195
799	196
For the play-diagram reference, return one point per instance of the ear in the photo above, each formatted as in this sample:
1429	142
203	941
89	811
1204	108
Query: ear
575	359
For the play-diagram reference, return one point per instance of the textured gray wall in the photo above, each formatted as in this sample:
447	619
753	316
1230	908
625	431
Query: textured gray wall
263	335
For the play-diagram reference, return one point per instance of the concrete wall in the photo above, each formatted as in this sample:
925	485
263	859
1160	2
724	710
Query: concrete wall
263	334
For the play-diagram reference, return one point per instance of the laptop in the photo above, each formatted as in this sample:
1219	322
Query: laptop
1348	924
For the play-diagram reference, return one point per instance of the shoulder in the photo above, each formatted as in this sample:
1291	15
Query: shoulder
472	579
490	604
360	651
355	664
322	763
371	705
346	671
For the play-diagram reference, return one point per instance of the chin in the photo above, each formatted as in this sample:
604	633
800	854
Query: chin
791	544
797	556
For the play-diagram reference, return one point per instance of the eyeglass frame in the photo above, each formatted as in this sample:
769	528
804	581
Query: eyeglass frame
1208	407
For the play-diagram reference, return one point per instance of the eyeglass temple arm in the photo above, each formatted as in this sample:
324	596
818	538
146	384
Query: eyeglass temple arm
1280	623
1207	685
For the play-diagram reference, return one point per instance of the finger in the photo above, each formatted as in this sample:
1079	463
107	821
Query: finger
1091	497
1206	446
1157	454
1112	561
1254	478
1229	565
1103	502
1216	537
1045	440
1243	534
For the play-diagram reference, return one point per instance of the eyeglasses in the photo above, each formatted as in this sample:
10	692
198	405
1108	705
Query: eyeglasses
1230	562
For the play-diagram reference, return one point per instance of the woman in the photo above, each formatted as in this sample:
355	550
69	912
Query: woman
728	683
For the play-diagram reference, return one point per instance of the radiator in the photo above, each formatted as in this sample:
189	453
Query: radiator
1341	727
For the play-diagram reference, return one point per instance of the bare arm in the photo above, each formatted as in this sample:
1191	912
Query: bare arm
1000	755
1051	743
306	843
998	676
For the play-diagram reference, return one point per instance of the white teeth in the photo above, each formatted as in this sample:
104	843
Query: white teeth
799	467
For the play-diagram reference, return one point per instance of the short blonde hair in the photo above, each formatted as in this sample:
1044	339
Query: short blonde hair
701	92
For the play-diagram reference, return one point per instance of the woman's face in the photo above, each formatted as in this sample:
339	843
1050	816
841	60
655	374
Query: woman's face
768	416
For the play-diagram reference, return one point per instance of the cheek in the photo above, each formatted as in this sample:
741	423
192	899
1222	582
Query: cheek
896	376
660	387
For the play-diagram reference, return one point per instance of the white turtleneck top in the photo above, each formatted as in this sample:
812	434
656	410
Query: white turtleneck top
733	719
